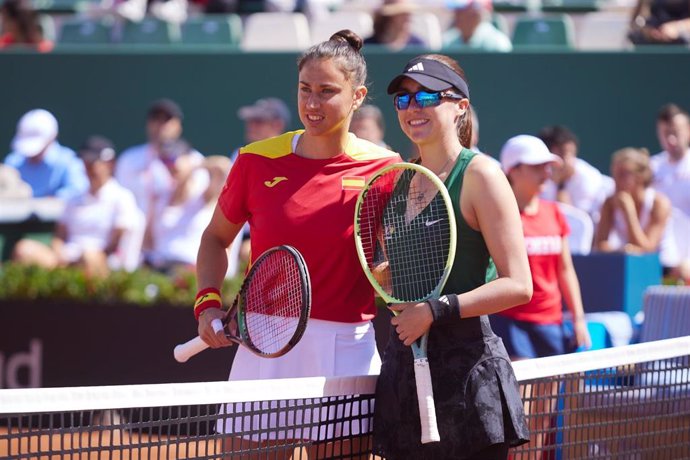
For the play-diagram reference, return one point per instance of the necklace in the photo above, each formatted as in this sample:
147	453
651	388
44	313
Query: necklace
421	195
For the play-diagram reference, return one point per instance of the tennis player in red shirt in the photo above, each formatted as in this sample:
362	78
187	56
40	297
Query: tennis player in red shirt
300	189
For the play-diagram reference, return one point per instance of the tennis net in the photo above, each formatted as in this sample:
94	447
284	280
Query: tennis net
628	402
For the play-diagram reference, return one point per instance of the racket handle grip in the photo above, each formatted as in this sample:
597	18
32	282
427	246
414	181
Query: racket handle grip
425	398
186	350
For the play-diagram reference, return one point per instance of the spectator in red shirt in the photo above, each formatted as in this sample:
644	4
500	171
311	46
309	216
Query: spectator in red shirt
20	27
535	329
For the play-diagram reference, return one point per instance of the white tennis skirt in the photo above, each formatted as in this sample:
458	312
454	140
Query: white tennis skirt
327	349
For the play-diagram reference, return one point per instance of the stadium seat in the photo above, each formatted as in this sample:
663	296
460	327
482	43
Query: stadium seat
544	31
570	6
427	26
603	31
581	229
84	31
359	22
212	30
57	6
149	31
276	32
511	6
666	313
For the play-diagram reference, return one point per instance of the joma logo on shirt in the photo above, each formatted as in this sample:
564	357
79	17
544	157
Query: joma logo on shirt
543	245
275	181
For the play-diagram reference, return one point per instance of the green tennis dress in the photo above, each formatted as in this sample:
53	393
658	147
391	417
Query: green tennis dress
475	391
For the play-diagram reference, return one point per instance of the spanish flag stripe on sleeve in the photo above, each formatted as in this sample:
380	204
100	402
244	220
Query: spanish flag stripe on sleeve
353	182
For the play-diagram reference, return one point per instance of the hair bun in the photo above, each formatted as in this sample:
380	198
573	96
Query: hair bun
349	37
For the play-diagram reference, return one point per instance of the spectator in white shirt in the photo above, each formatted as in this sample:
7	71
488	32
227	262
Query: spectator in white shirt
183	215
90	230
671	171
140	168
634	217
671	167
574	182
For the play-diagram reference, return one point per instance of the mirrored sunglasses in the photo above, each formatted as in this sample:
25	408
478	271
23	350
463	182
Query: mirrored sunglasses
423	99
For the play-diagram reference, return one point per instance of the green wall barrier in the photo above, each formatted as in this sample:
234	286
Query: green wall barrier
610	100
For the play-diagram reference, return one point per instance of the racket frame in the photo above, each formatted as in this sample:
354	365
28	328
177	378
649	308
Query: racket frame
185	351
419	348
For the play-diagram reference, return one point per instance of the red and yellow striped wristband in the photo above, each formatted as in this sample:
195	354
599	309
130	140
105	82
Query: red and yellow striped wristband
205	299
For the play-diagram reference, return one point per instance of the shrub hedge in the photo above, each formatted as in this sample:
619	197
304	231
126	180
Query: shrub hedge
141	287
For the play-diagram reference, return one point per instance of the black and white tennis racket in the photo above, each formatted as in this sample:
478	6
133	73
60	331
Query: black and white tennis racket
270	313
405	235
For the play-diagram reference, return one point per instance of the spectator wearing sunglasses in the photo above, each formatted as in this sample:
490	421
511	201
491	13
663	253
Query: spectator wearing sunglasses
300	189
478	406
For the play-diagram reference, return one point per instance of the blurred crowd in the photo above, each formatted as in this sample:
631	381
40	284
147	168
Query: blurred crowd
469	24
149	204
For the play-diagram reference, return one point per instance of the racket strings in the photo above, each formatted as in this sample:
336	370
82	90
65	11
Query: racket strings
274	303
404	237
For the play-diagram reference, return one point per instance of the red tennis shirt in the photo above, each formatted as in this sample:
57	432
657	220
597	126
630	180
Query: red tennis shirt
308	204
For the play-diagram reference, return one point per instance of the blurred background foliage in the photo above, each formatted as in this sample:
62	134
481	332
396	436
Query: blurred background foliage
141	287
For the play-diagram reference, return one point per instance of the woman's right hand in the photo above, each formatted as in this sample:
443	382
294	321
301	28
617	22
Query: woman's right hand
214	339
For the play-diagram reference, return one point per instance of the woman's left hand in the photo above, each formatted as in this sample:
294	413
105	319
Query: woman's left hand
413	320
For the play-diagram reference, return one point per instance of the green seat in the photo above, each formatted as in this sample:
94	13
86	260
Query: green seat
510	6
149	31
56	6
548	31
84	31
212	30
250	6
570	6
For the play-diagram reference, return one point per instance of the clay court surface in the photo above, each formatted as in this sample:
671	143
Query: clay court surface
105	445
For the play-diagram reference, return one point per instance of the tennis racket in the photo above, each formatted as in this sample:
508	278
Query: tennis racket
271	310
405	235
